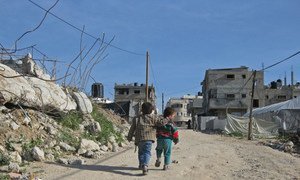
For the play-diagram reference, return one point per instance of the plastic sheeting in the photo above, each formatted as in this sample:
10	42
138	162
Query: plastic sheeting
261	128
286	114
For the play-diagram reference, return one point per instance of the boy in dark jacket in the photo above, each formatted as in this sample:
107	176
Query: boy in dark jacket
166	134
144	129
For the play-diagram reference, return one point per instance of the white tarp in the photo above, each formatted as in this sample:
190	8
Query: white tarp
260	127
286	114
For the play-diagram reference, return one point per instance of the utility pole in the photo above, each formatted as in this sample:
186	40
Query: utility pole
147	74
251	108
162	103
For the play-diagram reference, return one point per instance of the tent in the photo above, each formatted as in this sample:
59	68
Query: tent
286	114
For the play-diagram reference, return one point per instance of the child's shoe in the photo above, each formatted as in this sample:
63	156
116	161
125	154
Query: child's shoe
145	170
157	163
166	167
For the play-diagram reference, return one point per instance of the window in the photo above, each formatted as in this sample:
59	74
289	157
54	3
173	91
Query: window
244	76
281	97
123	91
230	76
244	96
255	103
230	96
137	91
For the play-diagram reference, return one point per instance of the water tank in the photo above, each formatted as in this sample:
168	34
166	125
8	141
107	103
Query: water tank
97	90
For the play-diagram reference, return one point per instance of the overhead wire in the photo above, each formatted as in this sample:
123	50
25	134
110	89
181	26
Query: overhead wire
88	34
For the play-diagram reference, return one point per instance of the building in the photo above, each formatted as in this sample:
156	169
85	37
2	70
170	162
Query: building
182	108
129	98
229	90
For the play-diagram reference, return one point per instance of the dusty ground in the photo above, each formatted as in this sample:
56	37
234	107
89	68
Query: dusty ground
200	156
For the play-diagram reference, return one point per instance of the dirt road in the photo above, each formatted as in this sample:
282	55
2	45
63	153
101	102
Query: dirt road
200	156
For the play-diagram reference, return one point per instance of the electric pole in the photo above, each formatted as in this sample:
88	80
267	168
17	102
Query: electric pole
162	103
147	74
251	108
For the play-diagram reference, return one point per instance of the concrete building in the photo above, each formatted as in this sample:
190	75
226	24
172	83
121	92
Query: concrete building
182	108
130	97
229	90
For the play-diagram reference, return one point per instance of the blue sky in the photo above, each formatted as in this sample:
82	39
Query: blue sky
184	38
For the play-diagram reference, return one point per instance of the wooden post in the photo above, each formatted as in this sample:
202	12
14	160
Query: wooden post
251	108
162	103
147	74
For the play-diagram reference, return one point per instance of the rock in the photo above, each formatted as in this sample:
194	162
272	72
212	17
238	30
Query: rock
288	147
50	157
15	157
66	147
89	145
121	144
14	126
13	167
35	92
81	151
112	139
26	121
109	146
89	154
17	147
63	161
104	148
93	127
115	147
52	144
51	130
38	154
4	169
97	155
13	175
57	148
83	102
2	149
76	161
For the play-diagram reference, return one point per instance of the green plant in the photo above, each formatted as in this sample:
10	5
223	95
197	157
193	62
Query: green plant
107	128
33	142
4	159
71	120
68	137
4	176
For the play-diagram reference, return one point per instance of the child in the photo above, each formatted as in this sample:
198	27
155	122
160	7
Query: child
143	128
165	135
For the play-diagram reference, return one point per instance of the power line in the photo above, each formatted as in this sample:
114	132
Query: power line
78	29
281	61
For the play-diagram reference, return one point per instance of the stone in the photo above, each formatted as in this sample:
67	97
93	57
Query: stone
93	127
52	144
51	130
112	139
57	148
89	154
26	121
109	146
13	167
2	149
63	161
4	169
13	175
15	157
66	147
89	145
76	161
38	154
104	148
50	157
97	155
121	144
17	147
83	102
115	147
14	126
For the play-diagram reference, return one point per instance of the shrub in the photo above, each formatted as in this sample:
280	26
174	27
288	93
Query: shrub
71	120
4	159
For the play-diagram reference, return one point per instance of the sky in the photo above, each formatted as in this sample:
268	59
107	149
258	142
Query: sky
184	38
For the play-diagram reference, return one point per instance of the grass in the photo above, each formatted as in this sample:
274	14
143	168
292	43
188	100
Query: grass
4	160
4	176
34	142
71	120
68	137
236	134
